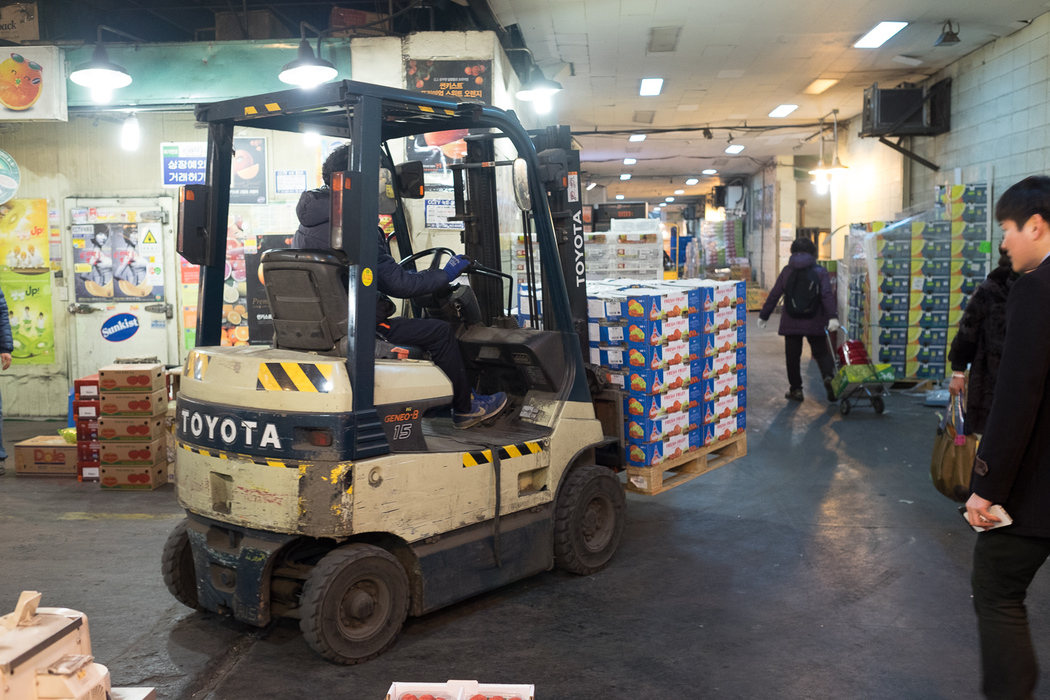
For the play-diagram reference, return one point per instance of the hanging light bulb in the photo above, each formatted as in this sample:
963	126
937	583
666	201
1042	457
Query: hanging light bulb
542	104
312	137
130	134
307	70
101	95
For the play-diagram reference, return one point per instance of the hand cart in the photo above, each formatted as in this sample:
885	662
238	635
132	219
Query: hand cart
872	390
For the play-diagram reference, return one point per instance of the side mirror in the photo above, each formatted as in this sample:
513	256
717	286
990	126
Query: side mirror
194	241
410	179
521	184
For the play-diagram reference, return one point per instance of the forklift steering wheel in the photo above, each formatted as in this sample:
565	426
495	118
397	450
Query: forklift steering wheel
435	264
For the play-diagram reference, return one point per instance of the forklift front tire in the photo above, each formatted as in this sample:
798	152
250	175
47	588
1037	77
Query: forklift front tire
589	520
176	564
354	603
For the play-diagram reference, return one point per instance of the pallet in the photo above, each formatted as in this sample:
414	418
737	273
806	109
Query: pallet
650	481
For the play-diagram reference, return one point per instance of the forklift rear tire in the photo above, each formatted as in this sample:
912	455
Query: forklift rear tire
176	564
588	520
354	603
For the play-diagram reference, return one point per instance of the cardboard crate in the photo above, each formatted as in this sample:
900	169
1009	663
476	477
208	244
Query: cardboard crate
134	478
128	404
125	453
130	429
45	455
141	379
86	387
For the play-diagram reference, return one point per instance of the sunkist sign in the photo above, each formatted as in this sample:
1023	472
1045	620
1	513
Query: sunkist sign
119	327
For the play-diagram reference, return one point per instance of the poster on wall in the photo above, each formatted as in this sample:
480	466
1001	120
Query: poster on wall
32	84
29	311
249	171
23	235
138	271
10	177
462	80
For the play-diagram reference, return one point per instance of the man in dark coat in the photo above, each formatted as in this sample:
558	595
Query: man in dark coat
7	346
979	345
1012	467
433	335
803	258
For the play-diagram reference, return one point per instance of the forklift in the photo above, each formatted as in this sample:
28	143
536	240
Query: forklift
321	474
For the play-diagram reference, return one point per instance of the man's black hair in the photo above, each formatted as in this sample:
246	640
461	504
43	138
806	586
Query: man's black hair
337	161
803	245
1024	200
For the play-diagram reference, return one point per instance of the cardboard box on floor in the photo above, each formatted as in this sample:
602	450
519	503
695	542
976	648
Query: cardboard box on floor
46	455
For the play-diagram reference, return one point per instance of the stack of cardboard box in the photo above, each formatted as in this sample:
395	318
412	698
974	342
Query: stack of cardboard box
86	409
132	441
678	350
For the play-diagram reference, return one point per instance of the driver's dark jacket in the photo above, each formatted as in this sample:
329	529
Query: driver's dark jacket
314	210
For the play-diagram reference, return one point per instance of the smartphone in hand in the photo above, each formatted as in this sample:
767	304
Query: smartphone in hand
995	510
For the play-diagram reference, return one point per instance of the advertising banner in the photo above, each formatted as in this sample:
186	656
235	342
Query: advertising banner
249	171
260	320
183	163
24	235
463	80
32	84
29	311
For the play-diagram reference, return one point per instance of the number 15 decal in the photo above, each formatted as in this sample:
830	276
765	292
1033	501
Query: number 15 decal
402	431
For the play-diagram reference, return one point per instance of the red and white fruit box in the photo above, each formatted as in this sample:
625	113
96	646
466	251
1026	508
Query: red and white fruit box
143	379
130	429
460	690
86	408
128	404
86	387
132	454
134	478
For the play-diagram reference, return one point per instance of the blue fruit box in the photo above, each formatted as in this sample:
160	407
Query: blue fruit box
655	453
641	406
649	430
645	380
606	333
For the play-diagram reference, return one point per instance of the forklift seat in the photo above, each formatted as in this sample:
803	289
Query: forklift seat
307	290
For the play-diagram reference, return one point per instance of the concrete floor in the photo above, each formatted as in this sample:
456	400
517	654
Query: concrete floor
822	565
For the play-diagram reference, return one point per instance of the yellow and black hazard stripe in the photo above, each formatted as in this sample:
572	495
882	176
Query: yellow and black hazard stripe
197	364
269	107
521	449
294	376
254	460
431	110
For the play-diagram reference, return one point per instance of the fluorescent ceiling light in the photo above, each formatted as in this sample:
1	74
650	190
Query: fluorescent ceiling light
668	199
783	111
879	35
591	186
709	171
692	181
820	85
734	148
625	176
619	196
679	191
651	87
630	161
637	137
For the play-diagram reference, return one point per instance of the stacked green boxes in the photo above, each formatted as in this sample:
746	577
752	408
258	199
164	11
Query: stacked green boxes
922	272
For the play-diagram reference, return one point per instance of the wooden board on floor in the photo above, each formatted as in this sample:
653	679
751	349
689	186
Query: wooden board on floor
663	477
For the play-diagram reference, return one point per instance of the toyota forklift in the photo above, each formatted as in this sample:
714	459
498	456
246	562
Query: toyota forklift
321	474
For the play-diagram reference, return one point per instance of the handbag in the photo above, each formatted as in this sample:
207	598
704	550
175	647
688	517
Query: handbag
953	455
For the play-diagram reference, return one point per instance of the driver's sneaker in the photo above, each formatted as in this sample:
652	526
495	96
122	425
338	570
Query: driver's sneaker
481	408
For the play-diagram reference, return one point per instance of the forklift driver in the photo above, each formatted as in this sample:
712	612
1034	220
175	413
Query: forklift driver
434	336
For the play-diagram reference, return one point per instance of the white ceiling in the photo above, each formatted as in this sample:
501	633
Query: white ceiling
735	60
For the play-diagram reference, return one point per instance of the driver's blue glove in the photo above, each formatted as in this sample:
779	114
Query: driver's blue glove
455	267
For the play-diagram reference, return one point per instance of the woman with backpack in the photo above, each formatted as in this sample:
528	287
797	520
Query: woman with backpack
809	308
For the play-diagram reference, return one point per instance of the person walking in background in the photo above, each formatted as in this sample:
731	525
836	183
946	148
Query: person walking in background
809	308
1012	466
7	345
979	344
